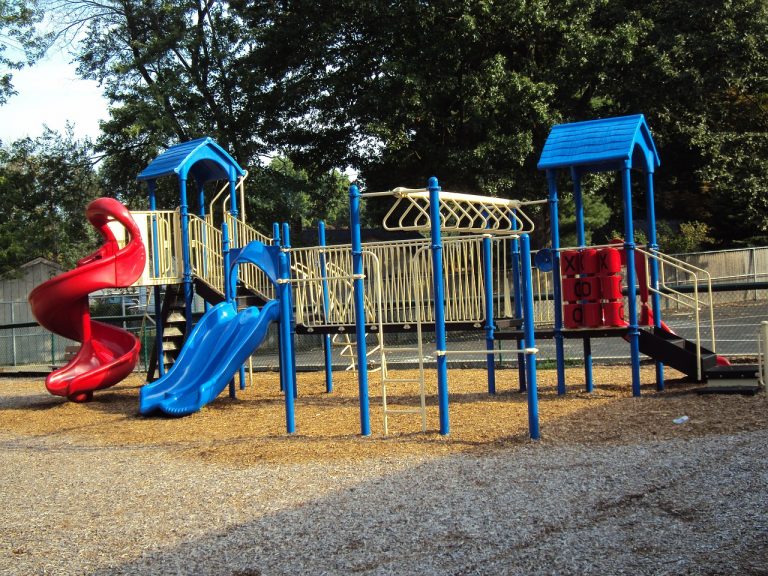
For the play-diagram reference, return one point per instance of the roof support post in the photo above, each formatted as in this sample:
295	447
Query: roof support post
185	255
633	332
653	264
554	224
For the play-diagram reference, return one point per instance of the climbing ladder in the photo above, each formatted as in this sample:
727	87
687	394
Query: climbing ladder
388	382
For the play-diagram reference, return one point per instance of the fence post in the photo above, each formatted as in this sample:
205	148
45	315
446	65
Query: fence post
13	336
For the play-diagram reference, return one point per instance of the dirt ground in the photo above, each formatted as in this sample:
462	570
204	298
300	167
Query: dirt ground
251	428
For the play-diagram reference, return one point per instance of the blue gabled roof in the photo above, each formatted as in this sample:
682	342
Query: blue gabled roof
203	159
600	145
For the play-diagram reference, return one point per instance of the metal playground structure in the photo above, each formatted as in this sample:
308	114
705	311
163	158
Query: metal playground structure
468	265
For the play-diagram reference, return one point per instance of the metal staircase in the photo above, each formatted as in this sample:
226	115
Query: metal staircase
174	327
679	353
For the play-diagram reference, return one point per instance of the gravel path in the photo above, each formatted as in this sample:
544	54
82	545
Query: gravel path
696	506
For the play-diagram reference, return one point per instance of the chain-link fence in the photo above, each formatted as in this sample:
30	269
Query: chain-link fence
740	303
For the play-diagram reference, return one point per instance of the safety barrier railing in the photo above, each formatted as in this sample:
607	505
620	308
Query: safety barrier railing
406	282
241	234
161	233
206	253
225	196
697	301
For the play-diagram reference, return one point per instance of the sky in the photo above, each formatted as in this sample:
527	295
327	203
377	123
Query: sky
50	93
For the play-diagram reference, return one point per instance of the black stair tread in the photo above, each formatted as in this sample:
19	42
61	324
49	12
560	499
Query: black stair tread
733	371
748	387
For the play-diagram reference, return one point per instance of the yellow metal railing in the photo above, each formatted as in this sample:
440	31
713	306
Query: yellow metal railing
698	301
206	253
405	282
241	234
161	234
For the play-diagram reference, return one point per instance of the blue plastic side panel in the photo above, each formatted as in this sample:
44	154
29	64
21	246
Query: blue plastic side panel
219	344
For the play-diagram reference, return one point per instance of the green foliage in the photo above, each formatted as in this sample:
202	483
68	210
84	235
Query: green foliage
45	185
465	90
282	193
20	43
690	237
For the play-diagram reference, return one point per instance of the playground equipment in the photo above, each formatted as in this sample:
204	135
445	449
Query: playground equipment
588	296
470	268
107	354
217	347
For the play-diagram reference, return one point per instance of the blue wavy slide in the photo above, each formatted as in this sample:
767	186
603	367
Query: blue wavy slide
219	344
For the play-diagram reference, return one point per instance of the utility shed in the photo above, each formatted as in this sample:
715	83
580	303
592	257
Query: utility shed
15	288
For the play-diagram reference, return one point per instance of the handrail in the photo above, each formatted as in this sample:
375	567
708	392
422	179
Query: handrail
206	252
240	186
692	302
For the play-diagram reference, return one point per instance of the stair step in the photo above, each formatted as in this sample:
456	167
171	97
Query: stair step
747	386
176	317
675	351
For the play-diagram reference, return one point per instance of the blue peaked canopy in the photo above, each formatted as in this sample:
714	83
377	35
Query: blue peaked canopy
601	145
202	159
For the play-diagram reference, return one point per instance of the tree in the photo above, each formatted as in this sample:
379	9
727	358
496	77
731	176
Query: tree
45	185
20	43
287	194
466	90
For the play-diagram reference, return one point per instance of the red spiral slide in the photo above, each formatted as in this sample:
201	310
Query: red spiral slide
108	353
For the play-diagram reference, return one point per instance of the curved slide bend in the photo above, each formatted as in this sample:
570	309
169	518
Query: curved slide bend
107	353
216	348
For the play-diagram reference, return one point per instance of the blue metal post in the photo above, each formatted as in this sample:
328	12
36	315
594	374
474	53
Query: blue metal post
554	223
283	365
236	242
326	309
201	209
230	281
633	332
286	248
286	343
529	330
359	287
653	248
490	359
439	294
187	267
581	239
517	289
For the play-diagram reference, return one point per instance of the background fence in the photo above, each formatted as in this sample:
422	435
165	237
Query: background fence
740	278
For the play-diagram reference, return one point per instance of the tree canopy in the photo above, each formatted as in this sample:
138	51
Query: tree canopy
466	90
20	42
45	185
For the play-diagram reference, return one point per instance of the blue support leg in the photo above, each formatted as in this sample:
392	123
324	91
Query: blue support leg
326	310
490	359
517	292
439	292
554	220
633	332
529	330
359	288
